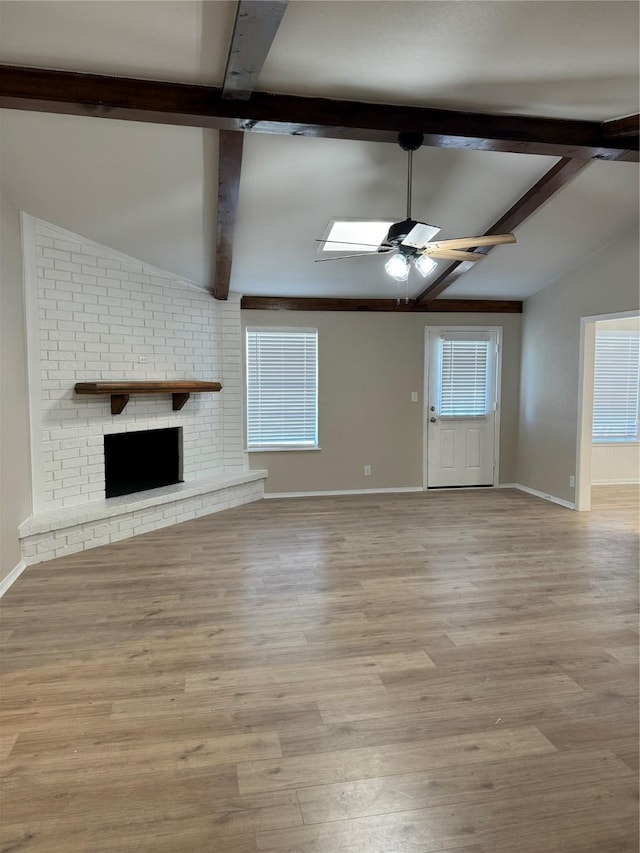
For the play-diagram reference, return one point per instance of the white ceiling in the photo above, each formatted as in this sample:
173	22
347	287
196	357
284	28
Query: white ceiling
565	59
150	190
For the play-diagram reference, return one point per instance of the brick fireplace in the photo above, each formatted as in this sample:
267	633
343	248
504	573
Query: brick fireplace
96	315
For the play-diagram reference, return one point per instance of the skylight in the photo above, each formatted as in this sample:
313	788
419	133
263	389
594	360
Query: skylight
355	236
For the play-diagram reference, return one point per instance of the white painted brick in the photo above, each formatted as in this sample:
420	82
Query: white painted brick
85	317
133	312
56	275
95	251
118	535
68	245
108	263
56	253
109	300
67	265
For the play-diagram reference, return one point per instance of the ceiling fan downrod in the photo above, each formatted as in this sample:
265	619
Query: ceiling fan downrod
410	142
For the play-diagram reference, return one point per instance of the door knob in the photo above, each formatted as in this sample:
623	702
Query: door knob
433	420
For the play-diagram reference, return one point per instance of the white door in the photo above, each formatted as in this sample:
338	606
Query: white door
461	407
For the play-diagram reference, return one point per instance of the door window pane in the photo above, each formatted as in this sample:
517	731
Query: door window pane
463	378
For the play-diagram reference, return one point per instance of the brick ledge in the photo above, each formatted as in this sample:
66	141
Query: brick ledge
71	516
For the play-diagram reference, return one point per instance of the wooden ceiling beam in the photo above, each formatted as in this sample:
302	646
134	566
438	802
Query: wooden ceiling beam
74	93
254	30
229	168
549	184
294	303
619	127
625	131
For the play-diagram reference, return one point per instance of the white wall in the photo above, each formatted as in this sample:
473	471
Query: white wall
606	283
15	481
98	315
615	463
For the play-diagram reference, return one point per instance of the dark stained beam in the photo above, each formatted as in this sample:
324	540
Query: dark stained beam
289	303
549	184
254	30
624	130
625	126
229	168
74	93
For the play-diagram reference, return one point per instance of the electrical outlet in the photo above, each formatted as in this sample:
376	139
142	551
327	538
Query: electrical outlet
572	481
367	470
142	359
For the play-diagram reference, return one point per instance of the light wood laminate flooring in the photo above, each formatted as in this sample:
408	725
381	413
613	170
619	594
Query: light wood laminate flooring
451	671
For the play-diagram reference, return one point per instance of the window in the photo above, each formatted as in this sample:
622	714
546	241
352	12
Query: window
282	388
615	389
464	371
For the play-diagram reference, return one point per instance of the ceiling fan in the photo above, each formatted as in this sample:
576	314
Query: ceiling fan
411	241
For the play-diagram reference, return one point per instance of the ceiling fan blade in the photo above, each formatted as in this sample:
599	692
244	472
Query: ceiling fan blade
453	254
420	235
465	242
344	257
346	243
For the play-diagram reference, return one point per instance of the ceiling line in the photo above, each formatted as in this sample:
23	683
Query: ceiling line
229	168
254	30
298	303
549	184
75	93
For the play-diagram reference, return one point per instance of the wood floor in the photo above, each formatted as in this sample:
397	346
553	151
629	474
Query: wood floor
375	674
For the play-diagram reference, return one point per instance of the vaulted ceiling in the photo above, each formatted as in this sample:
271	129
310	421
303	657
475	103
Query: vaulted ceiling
150	189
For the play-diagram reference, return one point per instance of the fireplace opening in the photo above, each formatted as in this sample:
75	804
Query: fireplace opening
141	460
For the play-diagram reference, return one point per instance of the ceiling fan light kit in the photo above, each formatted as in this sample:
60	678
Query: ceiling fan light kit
398	267
425	265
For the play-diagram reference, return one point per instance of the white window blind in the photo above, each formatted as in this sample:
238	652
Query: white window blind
463	378
615	391
282	388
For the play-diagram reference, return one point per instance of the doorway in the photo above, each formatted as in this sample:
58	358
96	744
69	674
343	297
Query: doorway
608	444
461	418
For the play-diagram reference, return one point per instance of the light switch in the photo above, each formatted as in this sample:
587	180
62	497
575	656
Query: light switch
414	396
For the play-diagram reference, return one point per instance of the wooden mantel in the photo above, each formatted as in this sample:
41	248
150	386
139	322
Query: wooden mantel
119	391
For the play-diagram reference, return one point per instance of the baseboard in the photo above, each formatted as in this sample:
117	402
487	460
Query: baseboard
332	493
544	496
615	482
343	492
12	577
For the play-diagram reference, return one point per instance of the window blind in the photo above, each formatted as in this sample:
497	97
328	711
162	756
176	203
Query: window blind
615	390
463	378
282	388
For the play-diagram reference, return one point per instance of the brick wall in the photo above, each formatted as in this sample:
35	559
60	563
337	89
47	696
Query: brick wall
104	316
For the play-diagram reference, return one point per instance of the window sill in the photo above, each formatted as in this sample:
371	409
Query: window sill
286	448
612	442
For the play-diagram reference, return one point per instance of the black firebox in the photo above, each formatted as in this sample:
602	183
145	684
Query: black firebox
141	460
